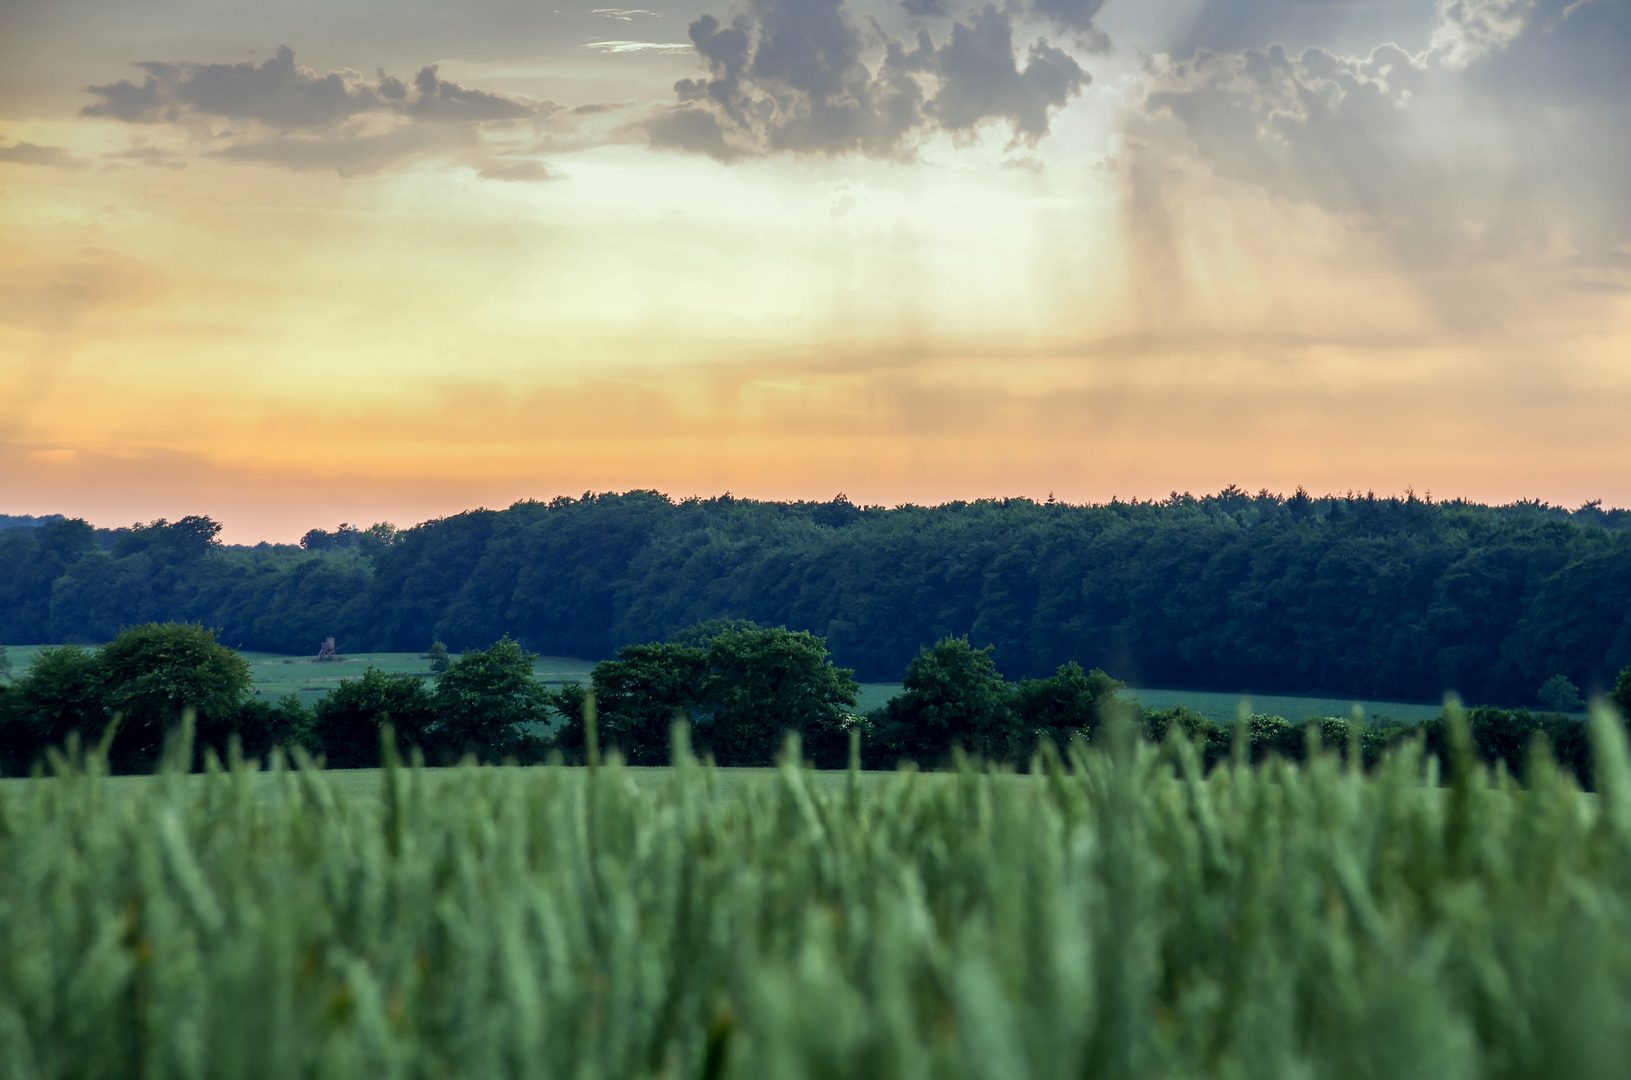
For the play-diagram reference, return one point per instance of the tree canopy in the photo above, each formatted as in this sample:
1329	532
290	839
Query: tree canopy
1391	598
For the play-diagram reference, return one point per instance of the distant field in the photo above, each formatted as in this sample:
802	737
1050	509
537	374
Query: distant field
1223	708
276	675
309	680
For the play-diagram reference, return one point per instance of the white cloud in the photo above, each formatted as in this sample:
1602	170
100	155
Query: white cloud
1472	29
638	46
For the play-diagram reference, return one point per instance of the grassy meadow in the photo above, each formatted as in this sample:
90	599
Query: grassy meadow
1117	914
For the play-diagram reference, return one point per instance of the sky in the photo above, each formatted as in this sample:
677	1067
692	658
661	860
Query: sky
290	263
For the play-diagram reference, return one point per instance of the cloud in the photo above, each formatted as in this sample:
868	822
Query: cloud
1473	29
90	281
1485	164
352	154
1313	126
278	92
1233	25
980	81
150	155
1076	16
527	170
441	101
624	14
287	96
923	8
788	76
299	119
27	153
637	46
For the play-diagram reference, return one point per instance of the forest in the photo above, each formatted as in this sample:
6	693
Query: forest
1393	598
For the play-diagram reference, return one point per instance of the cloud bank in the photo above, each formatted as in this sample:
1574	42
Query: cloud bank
792	76
300	119
1501	147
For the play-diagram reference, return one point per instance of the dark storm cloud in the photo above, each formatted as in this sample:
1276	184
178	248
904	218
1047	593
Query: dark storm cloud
339	121
27	153
788	76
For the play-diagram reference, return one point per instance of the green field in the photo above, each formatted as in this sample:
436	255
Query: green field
1118	917
310	679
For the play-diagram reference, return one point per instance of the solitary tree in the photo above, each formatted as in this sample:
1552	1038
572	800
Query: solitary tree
437	655
1560	695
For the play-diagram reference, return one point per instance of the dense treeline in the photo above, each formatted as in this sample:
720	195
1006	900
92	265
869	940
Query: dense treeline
1364	596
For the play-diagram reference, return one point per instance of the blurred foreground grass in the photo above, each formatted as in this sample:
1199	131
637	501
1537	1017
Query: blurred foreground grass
1112	916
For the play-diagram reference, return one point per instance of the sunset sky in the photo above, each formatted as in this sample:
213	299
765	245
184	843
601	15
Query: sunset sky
290	262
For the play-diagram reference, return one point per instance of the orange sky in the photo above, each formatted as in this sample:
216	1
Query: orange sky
1178	285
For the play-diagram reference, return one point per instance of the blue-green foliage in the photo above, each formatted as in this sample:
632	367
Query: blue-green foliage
1114	916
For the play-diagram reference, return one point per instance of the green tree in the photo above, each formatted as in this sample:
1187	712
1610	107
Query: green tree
952	695
763	683
1067	703
347	720
262	725
437	655
638	697
151	673
1210	740
1560	695
701	635
1620	696
61	693
486	700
